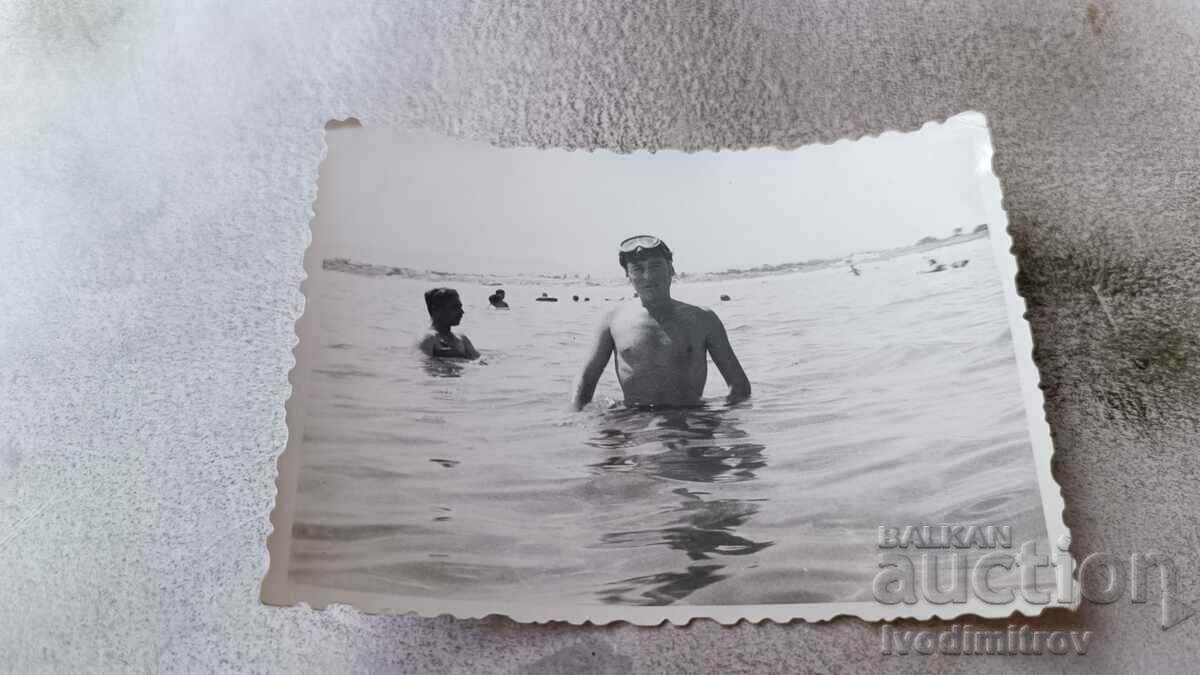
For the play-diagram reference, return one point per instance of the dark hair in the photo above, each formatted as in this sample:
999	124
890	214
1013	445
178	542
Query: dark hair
660	251
435	298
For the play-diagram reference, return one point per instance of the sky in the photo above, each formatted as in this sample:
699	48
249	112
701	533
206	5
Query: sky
419	200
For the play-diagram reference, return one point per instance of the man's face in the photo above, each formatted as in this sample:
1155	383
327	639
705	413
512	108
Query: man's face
450	313
650	277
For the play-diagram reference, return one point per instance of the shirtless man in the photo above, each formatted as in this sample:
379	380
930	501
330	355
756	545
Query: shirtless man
662	345
445	311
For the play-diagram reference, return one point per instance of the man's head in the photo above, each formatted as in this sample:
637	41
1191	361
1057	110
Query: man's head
445	307
648	263
500	293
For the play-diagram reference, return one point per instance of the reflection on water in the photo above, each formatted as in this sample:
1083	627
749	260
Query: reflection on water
663	588
694	449
687	437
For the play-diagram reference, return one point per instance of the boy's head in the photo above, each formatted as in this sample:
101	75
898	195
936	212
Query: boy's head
445	307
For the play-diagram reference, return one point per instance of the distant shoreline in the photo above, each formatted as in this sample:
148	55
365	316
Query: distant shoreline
485	279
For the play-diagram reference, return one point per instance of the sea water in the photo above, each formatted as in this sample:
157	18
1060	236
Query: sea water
886	399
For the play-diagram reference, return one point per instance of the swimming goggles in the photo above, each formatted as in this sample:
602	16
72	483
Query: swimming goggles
643	246
640	241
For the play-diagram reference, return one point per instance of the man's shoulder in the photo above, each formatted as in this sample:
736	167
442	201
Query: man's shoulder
703	319
621	311
683	310
695	311
689	307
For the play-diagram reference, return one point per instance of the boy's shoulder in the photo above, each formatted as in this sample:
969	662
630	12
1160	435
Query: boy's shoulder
427	340
432	335
431	339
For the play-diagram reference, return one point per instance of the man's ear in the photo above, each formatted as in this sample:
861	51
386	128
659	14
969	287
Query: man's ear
672	266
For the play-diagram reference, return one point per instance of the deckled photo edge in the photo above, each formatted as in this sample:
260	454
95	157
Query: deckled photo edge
1053	504
276	589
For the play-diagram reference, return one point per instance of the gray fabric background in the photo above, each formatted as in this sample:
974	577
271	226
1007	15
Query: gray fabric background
156	177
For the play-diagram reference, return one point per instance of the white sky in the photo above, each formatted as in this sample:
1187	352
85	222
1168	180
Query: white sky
413	199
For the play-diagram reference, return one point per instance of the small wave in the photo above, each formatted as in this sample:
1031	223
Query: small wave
344	372
920	299
324	532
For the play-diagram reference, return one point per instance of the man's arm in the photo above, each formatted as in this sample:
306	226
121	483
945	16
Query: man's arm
726	361
601	352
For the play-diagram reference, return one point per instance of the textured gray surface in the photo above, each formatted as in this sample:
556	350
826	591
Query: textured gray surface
156	181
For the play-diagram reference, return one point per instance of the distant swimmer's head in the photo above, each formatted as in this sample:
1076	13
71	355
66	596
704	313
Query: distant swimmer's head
649	265
445	307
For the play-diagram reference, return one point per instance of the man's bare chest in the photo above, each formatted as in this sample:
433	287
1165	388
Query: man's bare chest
648	340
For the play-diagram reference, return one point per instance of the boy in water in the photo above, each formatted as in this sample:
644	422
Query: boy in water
497	299
661	344
445	311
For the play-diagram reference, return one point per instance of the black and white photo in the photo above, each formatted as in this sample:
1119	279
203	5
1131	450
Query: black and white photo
567	385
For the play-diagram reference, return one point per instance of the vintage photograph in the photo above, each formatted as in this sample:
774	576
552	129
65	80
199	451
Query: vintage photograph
587	385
